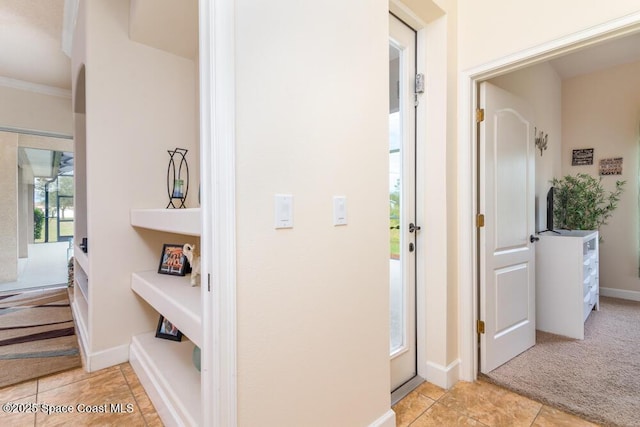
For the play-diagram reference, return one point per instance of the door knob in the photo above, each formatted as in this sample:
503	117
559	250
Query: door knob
533	238
413	227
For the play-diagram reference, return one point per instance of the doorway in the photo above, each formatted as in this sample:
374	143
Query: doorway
402	202
43	200
468	198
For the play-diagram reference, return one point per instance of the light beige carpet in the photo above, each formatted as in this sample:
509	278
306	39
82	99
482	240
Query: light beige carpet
597	378
37	335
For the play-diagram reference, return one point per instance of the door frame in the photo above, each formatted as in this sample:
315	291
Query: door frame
434	357
409	200
467	161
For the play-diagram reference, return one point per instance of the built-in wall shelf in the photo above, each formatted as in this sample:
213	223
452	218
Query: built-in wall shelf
174	298
165	369
81	281
179	221
81	258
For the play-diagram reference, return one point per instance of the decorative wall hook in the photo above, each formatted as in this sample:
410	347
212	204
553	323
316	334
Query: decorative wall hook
541	140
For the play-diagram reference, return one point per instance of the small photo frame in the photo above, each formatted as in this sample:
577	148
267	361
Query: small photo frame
167	330
172	260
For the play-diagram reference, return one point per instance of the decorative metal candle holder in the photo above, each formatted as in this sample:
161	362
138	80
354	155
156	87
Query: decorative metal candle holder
177	178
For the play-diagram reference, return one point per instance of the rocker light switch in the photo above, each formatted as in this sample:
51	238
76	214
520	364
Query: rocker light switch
284	211
339	210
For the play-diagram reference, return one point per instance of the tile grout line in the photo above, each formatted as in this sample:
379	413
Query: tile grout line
537	415
126	380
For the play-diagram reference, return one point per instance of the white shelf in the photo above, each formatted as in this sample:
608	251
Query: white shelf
179	221
82	282
174	298
165	369
81	258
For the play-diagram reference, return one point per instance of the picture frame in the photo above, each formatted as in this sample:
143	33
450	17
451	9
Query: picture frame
582	157
173	260
167	330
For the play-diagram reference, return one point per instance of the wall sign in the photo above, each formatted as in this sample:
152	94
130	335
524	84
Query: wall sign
612	166
581	157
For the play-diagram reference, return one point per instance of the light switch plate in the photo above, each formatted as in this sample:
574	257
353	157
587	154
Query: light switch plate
339	210
284	211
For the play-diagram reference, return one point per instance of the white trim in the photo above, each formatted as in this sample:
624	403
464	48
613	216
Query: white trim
467	252
82	330
386	420
620	293
443	376
35	87
24	131
404	13
106	358
69	25
171	382
217	163
102	359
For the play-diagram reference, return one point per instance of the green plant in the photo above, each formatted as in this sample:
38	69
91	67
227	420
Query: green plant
38	222
581	203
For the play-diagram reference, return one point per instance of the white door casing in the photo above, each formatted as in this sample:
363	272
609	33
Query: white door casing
507	200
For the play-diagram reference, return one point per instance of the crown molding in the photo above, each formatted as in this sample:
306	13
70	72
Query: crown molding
35	87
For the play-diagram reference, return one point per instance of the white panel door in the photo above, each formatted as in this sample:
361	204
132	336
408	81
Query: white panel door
507	254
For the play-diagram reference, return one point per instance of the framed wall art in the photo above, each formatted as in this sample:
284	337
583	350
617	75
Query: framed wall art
612	166
582	156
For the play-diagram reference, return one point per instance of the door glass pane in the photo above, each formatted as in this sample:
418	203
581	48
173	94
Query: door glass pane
396	289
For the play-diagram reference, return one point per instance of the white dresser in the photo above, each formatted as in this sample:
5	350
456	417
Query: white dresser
567	287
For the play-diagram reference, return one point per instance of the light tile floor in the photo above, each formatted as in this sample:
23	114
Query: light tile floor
109	397
88	400
477	404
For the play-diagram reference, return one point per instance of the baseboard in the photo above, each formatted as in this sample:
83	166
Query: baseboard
94	361
387	420
620	293
443	376
81	332
106	358
154	389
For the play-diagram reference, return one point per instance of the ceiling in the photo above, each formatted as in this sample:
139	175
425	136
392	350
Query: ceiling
30	42
599	57
31	34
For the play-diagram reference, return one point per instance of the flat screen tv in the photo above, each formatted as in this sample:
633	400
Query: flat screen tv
550	210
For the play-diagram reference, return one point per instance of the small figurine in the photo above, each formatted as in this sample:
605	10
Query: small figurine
194	262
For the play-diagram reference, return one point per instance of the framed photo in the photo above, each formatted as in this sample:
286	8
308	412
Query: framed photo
167	330
582	157
172	260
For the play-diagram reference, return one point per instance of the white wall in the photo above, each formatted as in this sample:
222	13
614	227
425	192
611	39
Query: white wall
541	87
493	29
140	102
24	109
9	197
313	314
602	111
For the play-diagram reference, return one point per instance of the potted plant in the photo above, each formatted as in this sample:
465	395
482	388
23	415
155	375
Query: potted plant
581	203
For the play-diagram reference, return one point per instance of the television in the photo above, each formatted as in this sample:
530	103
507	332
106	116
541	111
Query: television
550	210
